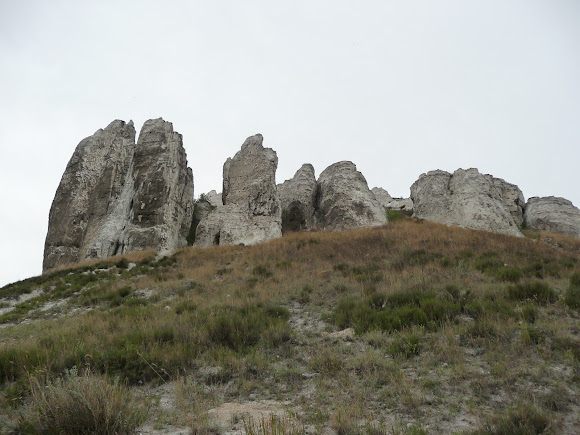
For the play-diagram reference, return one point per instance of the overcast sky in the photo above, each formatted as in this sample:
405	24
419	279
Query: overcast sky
399	88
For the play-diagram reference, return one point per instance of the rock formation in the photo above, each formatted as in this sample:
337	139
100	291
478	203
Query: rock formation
382	196
251	212
117	197
553	214
214	198
465	198
298	199
403	204
512	197
344	200
390	203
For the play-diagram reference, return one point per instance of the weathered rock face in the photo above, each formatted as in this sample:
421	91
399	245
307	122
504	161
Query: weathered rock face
403	204
116	197
553	214
251	212
162	204
214	198
465	198
512	197
390	203
344	200
298	199
382	196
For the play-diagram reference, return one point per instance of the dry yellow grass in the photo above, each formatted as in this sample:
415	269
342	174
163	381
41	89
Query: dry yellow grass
167	321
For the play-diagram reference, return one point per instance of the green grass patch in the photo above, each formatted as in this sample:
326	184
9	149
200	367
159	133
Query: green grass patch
394	312
79	405
536	291
572	295
521	419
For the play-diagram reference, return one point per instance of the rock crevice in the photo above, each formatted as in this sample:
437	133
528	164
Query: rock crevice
117	196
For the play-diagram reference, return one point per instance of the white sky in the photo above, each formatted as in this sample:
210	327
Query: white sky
399	88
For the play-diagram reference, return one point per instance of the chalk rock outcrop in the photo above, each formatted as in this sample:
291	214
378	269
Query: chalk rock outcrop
382	196
117	197
553	214
344	200
390	203
251	212
512	197
465	199
403	204
214	198
298	199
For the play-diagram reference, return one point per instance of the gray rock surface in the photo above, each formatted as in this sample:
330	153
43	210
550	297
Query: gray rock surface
344	200
382	196
403	204
298	199
465	199
117	197
214	198
553	214
251	212
512	196
390	203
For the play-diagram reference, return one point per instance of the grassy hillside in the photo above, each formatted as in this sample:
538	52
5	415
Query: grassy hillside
409	328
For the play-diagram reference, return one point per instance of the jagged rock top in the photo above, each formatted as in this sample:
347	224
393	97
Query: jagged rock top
116	196
553	214
251	212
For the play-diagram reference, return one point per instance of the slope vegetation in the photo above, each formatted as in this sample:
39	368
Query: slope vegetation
413	327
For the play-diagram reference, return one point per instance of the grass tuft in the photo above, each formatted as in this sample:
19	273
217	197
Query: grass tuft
80	405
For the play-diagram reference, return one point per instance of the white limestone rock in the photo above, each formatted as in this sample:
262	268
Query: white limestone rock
298	199
344	200
512	197
382	196
465	199
214	198
390	203
552	214
117	197
251	212
402	204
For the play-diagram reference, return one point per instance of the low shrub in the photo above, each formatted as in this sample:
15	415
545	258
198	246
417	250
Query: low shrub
488	262
395	215
536	291
529	313
241	328
304	294
522	419
406	346
394	312
509	273
79	405
417	257
262	271
123	263
572	295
